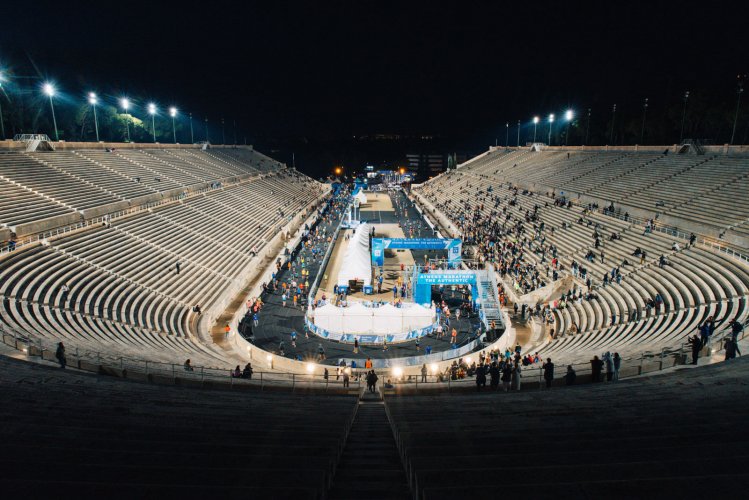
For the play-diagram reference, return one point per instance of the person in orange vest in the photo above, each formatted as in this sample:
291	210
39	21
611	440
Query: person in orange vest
454	336
227	331
368	364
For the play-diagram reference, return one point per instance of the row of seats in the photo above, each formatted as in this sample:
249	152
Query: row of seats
704	189
125	291
94	436
624	440
40	185
696	283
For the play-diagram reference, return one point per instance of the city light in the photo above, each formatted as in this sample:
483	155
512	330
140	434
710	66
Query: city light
535	120
151	108
172	112
125	103
551	118
568	115
92	99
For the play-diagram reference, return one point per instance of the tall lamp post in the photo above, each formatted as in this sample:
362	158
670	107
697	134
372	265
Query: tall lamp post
152	112
683	116
223	131
2	123
644	114
173	114
551	120
507	134
613	121
568	115
518	133
125	105
92	101
587	128
206	129
535	125
50	91
739	91
192	135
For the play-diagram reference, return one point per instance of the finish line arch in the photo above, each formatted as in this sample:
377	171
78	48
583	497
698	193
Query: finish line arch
454	247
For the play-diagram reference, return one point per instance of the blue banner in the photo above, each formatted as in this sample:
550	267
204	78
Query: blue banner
379	245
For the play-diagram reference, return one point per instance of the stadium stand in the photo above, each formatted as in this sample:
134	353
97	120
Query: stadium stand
695	282
667	436
129	282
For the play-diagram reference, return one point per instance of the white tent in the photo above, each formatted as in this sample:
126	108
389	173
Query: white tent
358	318
361	197
357	264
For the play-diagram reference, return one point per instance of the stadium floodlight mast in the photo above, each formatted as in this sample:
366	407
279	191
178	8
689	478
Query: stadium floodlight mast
92	100
587	128
507	134
192	135
206	129
50	91
644	114
568	115
125	105
535	125
152	112
613	121
683	116
173	114
551	120
739	91
2	123
518	133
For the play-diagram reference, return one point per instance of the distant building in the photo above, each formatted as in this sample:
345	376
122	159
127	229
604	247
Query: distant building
430	164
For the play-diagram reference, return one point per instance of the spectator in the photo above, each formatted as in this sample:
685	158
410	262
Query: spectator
548	372
60	355
696	343
617	364
188	366
596	367
247	372
570	376
480	377
517	374
507	375
424	373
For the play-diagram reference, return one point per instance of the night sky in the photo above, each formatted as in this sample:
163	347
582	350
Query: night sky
309	75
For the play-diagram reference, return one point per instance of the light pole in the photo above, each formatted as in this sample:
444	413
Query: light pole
50	91
2	123
125	105
551	120
683	116
92	101
644	114
206	129
507	134
173	114
518	133
587	128
234	122
192	135
568	115
613	121
223	131
535	125
739	91
152	112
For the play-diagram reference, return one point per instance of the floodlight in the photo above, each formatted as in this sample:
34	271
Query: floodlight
434	367
49	89
172	112
397	372
269	358
568	115
92	98
551	118
152	108
310	367
535	120
125	103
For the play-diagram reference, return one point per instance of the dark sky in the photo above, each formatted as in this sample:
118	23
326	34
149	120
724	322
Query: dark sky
326	70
